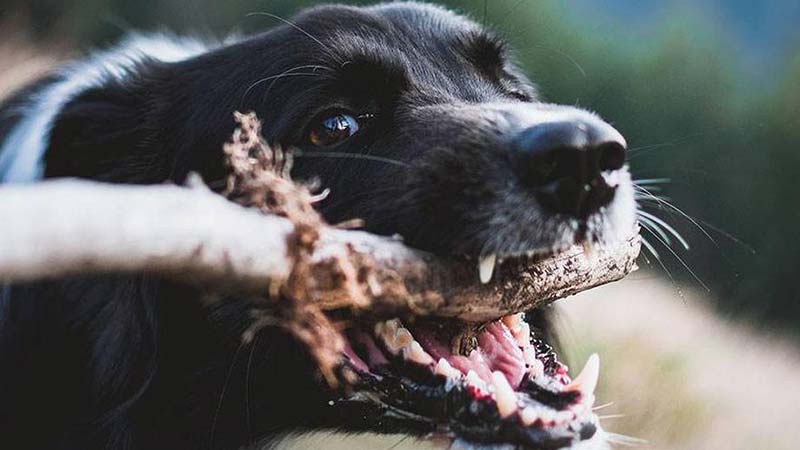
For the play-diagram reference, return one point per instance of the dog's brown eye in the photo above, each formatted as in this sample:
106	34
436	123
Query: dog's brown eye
332	130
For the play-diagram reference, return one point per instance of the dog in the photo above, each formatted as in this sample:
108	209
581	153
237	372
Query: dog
420	124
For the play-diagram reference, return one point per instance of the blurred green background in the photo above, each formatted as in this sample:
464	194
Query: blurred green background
707	93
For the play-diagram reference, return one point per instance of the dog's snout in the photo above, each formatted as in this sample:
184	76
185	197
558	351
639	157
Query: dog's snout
564	162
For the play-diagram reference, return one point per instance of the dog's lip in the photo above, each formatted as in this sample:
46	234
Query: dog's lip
482	398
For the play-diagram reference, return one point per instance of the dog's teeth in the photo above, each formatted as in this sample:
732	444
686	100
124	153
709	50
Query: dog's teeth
393	335
529	415
415	353
486	267
586	381
514	322
529	355
475	381
504	395
402	338
519	328
523	335
386	328
445	369
535	367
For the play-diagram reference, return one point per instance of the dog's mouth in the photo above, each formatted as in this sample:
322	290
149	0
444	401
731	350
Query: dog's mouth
496	383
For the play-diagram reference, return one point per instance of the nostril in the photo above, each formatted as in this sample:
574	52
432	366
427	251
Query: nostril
612	156
540	169
561	163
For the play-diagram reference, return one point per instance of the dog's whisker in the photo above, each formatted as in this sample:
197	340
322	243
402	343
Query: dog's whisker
226	383
670	206
569	58
749	248
286	73
649	181
346	155
247	409
652	226
296	27
603	406
400	441
664	225
682	262
625	440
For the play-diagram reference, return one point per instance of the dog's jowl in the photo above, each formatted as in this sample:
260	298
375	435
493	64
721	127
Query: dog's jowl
420	124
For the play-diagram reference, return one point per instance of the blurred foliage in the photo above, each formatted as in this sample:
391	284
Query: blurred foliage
693	108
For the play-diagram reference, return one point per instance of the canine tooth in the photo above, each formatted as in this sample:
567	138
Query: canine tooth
486	267
529	415
504	395
586	381
445	369
415	353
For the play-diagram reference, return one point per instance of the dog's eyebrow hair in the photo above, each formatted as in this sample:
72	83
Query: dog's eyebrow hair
379	67
486	50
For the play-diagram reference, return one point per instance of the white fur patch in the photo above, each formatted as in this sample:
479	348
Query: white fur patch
22	152
330	440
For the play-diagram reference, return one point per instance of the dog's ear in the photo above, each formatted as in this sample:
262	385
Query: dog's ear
101	134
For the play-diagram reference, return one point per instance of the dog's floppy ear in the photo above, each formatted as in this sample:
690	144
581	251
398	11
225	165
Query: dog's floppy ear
99	113
100	134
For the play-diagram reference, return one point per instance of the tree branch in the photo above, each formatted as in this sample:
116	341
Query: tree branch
61	228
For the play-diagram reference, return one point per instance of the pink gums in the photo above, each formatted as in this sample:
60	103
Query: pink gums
497	351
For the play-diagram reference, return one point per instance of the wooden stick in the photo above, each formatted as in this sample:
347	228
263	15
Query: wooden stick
61	228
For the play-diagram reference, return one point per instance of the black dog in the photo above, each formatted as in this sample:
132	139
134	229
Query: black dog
418	123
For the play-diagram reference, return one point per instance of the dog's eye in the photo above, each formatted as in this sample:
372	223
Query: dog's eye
332	130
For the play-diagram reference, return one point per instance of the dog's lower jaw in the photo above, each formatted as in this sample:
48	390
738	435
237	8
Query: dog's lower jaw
334	440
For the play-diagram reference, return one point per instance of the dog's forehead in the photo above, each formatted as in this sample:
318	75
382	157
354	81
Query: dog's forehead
415	29
431	45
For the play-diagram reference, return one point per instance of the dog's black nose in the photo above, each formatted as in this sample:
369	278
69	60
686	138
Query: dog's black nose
563	163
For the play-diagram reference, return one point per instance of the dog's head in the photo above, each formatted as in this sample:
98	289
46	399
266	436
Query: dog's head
420	124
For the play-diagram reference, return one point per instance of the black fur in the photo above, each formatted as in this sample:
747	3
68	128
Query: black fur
141	363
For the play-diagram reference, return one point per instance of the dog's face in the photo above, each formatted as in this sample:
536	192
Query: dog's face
420	125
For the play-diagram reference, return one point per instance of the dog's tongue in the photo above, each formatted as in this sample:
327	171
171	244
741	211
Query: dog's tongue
497	351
